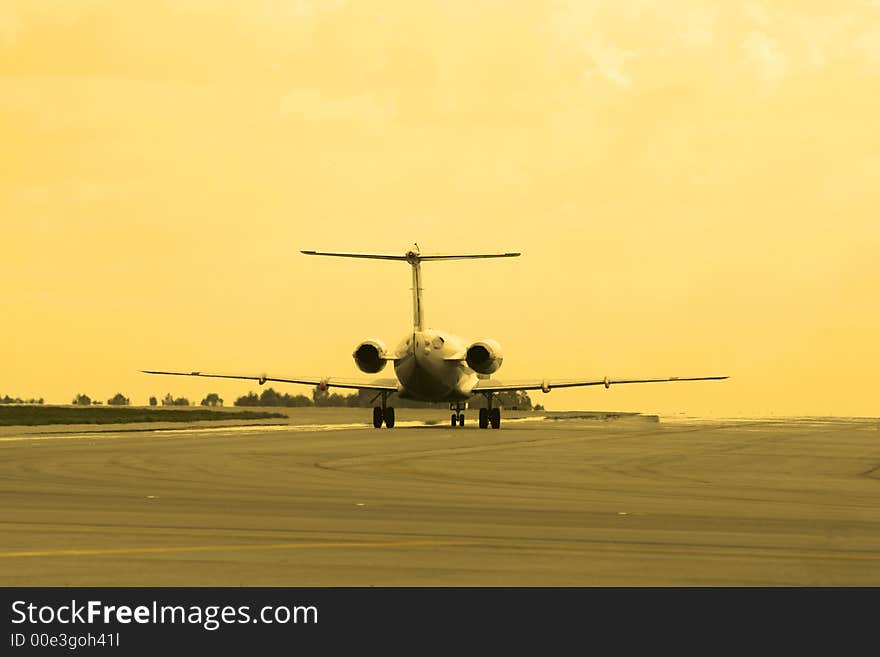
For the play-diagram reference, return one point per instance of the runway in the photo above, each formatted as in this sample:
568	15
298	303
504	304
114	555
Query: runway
333	502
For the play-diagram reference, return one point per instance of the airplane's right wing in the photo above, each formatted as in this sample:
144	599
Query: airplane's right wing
381	385
546	385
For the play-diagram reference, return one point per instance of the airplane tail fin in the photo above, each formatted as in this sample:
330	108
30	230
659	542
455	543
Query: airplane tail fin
414	257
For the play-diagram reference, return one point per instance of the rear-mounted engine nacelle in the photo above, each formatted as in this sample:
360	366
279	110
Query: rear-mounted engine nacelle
370	356
484	356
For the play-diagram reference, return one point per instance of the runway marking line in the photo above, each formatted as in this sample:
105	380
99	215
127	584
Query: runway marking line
601	546
229	548
122	432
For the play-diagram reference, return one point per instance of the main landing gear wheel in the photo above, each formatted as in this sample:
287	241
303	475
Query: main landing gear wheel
454	419
377	417
490	414
461	419
383	413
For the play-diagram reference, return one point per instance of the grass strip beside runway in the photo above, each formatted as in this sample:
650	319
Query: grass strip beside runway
38	415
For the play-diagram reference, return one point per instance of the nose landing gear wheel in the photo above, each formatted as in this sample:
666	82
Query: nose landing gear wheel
457	416
389	417
495	418
484	418
377	417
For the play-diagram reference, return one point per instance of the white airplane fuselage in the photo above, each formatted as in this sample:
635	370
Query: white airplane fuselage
430	367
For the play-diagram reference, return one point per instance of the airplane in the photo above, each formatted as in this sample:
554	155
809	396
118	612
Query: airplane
432	365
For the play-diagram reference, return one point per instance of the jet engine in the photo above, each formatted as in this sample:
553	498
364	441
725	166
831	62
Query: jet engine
371	356
484	356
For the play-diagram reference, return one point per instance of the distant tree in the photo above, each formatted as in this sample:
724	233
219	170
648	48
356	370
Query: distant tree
168	400
368	398
514	399
251	399
538	407
153	401
118	400
324	398
365	397
82	400
270	397
320	397
181	401
212	399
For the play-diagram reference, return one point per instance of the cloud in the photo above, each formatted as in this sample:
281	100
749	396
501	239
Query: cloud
576	26
299	8
10	28
868	46
698	28
312	105
260	10
766	42
765	53
609	61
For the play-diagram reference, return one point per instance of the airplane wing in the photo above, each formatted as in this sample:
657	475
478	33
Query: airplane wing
546	385
467	256
372	256
386	385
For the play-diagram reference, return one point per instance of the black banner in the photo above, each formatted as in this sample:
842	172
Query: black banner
124	621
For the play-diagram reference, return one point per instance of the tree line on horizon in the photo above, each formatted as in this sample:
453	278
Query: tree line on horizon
518	399
212	399
6	399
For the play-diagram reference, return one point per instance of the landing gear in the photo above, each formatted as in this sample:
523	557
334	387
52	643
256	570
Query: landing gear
383	413
490	415
495	418
457	415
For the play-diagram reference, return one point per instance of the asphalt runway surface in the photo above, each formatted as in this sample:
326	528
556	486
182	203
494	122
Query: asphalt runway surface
540	502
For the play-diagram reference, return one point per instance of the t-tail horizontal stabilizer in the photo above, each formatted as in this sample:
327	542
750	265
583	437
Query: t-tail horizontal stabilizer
414	257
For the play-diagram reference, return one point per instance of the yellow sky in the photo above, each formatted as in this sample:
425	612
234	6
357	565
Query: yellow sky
694	187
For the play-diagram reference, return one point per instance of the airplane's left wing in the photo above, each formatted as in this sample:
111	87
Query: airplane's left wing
546	385
383	385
